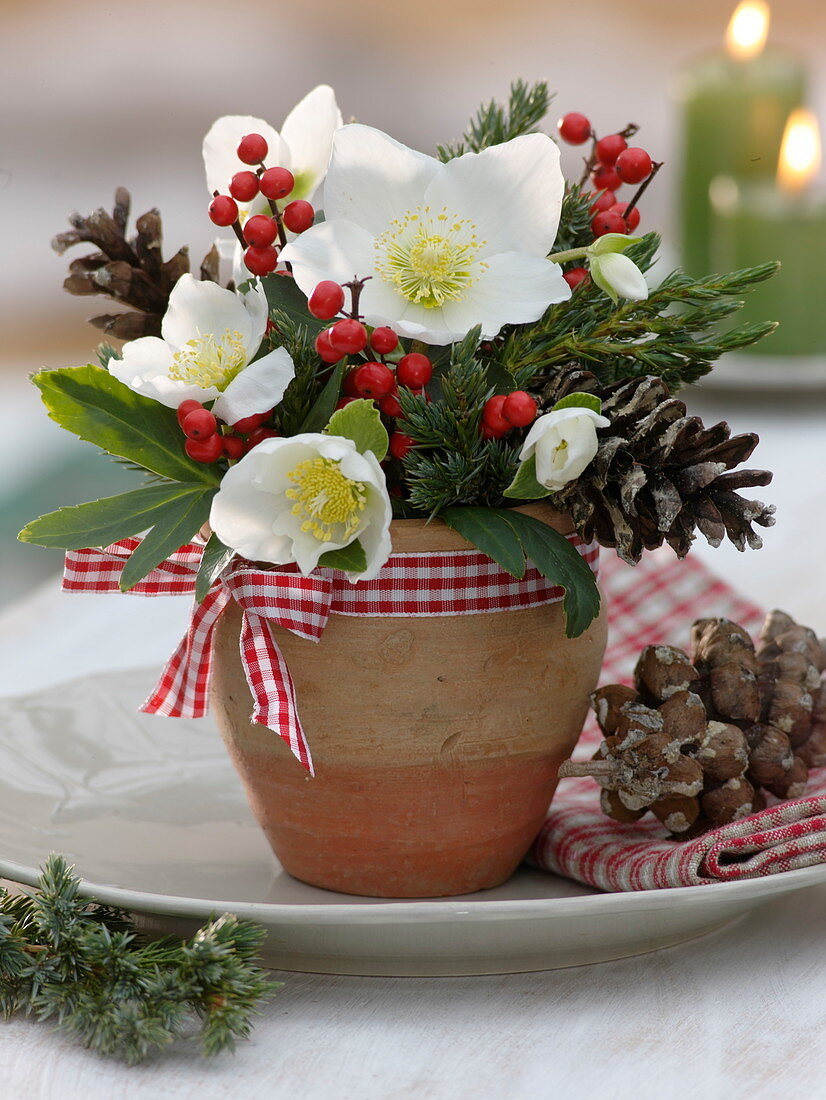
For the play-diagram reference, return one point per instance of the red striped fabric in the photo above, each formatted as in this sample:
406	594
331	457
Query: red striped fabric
657	601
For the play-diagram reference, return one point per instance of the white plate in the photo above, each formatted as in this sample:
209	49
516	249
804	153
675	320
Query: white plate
152	815
767	373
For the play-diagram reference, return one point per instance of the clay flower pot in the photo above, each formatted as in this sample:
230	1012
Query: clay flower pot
436	740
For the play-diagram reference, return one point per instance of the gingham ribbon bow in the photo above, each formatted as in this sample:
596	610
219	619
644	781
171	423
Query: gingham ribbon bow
459	582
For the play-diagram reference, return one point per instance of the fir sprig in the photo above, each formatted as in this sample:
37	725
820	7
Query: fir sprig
495	123
673	333
84	965
305	387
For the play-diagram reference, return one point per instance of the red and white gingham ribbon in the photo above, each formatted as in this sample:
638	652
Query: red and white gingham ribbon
459	582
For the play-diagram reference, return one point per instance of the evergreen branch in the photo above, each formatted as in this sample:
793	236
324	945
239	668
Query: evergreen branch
303	390
84	965
495	123
575	220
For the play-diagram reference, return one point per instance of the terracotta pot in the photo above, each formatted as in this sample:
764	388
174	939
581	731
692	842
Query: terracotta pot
436	741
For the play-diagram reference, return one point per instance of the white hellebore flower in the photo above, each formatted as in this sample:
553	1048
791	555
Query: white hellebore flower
303	145
614	273
445	246
293	499
564	441
209	335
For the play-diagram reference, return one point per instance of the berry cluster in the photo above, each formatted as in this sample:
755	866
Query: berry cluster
611	164
207	440
504	412
260	232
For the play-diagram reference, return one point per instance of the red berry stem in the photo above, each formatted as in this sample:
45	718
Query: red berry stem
635	198
236	225
355	286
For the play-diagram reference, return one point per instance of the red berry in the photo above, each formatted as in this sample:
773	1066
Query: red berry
493	419
603	202
276	183
609	148
606	178
244	186
326	300
384	340
258	436
373	380
223	210
574	128
186	407
260	230
205	450
414	370
575	276
489	433
519	409
390	406
348	336
252	149
633	165
400	444
249	423
632	218
342	401
261	261
298	216
325	349
234	446
199	424
608	222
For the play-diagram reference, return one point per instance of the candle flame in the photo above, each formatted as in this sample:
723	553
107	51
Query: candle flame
748	29
799	151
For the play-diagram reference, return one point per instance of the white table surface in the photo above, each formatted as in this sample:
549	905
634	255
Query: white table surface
737	1014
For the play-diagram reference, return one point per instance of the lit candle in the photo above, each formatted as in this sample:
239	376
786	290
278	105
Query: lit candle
734	107
784	220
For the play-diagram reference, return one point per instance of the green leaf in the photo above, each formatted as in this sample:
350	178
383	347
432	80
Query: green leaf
101	522
93	405
525	486
361	422
490	532
350	558
283	295
557	559
165	538
215	560
580	401
319	415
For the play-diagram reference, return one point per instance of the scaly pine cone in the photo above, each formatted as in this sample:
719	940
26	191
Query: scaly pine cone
131	271
699	739
659	475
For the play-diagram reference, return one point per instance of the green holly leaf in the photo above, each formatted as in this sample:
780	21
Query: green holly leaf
165	538
93	405
285	296
525	485
214	561
360	421
580	401
101	522
325	406
489	531
351	558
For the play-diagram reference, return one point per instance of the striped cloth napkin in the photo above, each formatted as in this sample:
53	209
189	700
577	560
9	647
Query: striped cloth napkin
657	601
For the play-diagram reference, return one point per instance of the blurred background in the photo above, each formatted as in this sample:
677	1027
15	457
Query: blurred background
98	94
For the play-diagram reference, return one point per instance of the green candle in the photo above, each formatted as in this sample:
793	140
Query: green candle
756	221
734	106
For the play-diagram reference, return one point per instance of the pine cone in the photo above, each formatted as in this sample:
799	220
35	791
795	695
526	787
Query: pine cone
659	475
129	271
698	739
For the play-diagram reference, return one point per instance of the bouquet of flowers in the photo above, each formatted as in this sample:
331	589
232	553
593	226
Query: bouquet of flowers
404	335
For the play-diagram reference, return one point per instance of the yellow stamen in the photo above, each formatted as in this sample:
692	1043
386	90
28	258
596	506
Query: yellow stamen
430	258
330	503
209	360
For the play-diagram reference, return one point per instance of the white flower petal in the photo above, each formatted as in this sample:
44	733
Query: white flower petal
221	142
240	520
372	179
200	308
144	368
258	388
616	273
515	289
308	131
337	250
511	192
